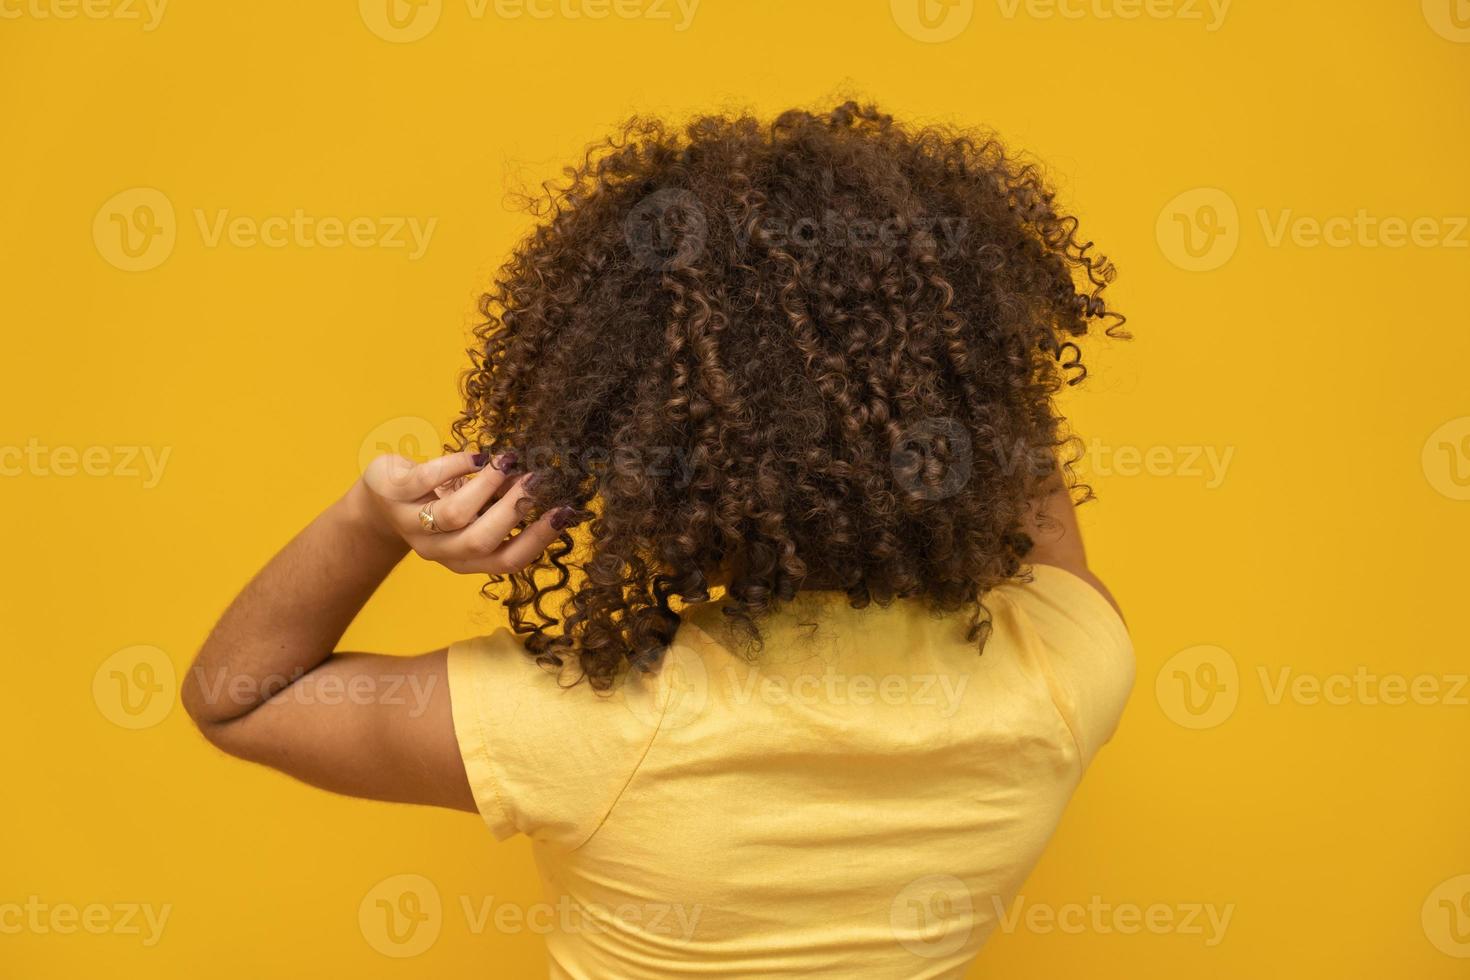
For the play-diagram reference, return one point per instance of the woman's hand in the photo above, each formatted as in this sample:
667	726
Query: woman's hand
473	503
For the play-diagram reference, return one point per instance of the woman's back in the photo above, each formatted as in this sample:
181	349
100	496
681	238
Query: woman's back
863	798
811	365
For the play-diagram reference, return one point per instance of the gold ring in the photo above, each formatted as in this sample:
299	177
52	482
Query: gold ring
426	518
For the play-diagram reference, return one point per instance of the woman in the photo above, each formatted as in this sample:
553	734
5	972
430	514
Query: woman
805	657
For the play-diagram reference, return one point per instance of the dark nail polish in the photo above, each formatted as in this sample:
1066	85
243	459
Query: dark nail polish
480	459
529	483
505	462
565	517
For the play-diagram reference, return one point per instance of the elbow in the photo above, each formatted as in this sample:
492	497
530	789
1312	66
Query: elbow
192	694
221	732
196	706
201	705
220	708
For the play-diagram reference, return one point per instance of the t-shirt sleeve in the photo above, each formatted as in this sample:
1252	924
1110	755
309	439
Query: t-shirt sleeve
544	758
1086	651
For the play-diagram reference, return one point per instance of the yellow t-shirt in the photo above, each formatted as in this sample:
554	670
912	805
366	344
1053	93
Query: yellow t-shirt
863	799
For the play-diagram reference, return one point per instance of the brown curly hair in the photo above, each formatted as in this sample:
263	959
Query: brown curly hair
772	356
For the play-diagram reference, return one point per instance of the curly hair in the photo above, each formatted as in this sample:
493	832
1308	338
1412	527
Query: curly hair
766	357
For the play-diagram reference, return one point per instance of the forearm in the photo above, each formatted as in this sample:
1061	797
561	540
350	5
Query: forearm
290	617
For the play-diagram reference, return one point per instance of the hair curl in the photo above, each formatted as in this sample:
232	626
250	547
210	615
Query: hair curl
768	357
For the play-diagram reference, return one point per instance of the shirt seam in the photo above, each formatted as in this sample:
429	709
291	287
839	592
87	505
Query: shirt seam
633	772
485	764
1116	625
491	777
1037	647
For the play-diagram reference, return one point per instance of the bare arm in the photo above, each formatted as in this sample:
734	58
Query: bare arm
267	687
1057	540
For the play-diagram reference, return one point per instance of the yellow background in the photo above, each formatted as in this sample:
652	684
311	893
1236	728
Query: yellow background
1334	542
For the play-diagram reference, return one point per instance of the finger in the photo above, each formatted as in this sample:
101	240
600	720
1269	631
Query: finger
505	463
523	549
473	541
397	478
489	531
404	517
460	507
443	547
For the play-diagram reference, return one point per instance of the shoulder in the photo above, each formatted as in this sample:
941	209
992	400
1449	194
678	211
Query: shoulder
1059	600
546	756
1084	647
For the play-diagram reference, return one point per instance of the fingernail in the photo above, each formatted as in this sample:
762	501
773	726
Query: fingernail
565	517
505	462
529	483
480	459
